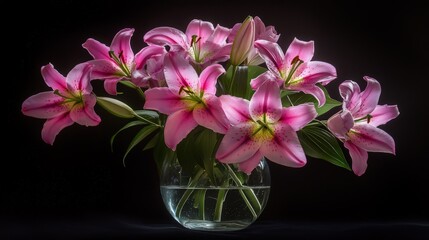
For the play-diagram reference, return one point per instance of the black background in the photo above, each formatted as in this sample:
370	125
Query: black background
80	177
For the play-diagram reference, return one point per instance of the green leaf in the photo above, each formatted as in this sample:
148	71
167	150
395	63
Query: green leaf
285	93
237	79
319	143
224	81
128	125
207	141
300	97
240	83
162	153
198	149
140	136
255	71
187	151
152	142
148	114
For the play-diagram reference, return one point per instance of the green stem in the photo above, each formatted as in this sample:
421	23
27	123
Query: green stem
146	120
247	194
249	205
221	196
140	91
234	69
290	101
201	204
133	86
190	189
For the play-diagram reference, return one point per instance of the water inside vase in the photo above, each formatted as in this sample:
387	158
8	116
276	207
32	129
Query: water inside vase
202	208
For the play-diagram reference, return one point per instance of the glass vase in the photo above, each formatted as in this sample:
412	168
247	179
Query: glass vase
222	199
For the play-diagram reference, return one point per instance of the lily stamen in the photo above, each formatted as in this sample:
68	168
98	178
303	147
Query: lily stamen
296	62
367	118
120	61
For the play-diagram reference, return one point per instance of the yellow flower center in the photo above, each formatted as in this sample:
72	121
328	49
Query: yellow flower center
262	129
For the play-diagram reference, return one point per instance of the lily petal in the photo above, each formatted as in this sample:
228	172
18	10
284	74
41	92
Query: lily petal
219	36
266	101
174	134
301	49
298	116
266	33
53	126
97	49
350	92
212	52
369	97
253	58
163	100
208	78
166	36
146	53
237	145
316	72
233	32
359	158
248	165
372	139
78	78
259	26
44	105
104	69
266	76
270	34
110	85
383	114
199	28
312	90
272	54
121	45
84	114
53	78
340	124
155	69
179	73
236	109
285	148
211	115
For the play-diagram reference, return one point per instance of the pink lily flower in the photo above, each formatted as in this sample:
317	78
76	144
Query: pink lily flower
202	43
261	127
71	101
356	125
262	32
118	62
294	70
189	100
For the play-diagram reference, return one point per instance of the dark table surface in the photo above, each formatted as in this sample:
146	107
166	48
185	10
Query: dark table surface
128	228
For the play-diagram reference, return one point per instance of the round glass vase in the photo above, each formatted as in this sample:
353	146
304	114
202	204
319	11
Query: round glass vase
222	199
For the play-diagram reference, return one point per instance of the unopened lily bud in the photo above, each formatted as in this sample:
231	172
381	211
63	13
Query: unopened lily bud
116	107
243	42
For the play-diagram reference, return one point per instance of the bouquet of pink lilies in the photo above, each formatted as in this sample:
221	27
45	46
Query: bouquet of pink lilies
218	95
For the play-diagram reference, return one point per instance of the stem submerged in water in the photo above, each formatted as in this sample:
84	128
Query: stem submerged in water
247	194
188	192
202	204
221	196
